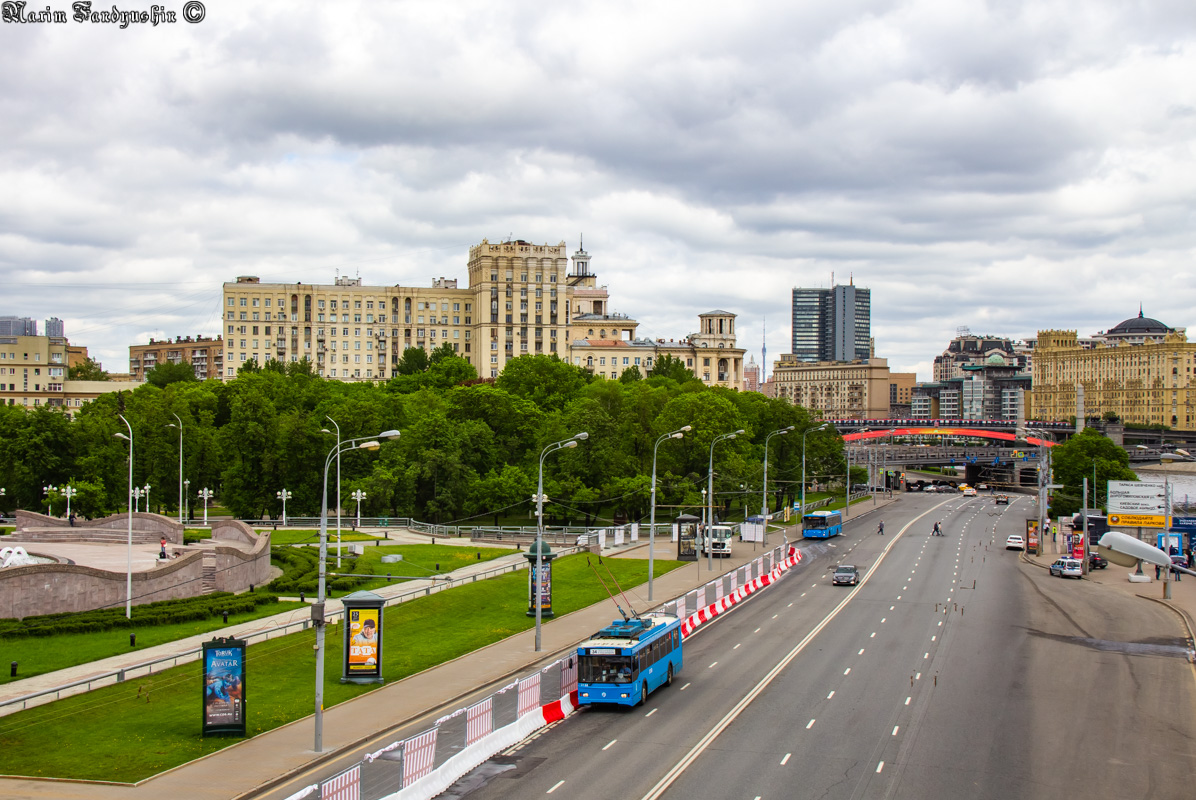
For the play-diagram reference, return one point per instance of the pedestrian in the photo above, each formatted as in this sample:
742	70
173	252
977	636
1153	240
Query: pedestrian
71	519
1156	572
881	528
163	553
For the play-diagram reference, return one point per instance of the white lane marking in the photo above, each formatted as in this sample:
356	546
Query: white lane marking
898	597
832	694
774	616
917	676
882	620
736	647
785	760
907	700
880	766
847	671
892	607
932	638
895	729
756	631
712	666
803	594
809	724
861	652
940	623
650	713
924	655
790	605
903	588
555	786
873	636
683	688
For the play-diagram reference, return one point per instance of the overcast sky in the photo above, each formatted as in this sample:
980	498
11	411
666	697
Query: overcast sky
1004	166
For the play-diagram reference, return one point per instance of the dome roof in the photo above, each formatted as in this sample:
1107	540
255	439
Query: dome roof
1139	326
996	360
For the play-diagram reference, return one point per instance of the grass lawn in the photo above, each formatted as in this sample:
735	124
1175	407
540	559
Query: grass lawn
140	728
38	655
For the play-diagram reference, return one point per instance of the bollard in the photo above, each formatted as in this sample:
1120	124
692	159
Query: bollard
438	566
388	577
251	588
479	555
132	640
302	597
377	543
433	540
12	670
226	617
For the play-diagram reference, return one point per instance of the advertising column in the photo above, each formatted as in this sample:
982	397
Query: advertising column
362	661
224	687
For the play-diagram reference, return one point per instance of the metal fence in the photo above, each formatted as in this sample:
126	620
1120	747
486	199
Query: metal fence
461	740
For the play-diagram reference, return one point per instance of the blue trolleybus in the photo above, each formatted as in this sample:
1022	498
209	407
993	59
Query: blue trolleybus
821	524
629	659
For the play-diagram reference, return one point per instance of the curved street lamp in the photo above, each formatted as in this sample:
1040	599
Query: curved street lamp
317	612
129	574
677	434
710	498
338	486
179	426
536	586
806	432
764	490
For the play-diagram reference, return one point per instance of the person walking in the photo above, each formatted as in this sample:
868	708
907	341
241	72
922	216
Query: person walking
880	529
938	531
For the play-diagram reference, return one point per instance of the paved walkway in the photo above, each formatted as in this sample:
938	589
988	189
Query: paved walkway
258	762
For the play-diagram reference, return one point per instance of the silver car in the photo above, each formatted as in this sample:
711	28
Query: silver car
1067	568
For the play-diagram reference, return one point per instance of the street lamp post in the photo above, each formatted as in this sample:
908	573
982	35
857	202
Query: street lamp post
129	574
49	500
317	612
764	491
358	495
539	582
147	504
138	493
180	427
205	494
710	498
187	498
338	487
677	434
68	492
805	433
284	496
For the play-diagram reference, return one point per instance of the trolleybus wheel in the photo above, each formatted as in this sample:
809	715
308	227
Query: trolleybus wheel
669	680
643	693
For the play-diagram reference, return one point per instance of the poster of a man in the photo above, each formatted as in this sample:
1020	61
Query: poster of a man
363	641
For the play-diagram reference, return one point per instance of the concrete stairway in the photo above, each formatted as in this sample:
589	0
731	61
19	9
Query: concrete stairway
101	535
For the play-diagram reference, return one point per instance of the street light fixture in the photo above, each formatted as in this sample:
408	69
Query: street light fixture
138	493
805	433
764	490
180	427
710	498
338	486
677	434
539	582
284	496
317	611
187	498
68	492
205	494
129	574
358	495
147	504
49	500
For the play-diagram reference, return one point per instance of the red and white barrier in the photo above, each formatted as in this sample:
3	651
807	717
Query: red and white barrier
704	615
346	786
419	756
479	721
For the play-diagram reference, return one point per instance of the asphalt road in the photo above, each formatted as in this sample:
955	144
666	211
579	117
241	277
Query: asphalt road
955	669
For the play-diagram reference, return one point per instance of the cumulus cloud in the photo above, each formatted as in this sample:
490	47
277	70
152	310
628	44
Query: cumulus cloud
1009	166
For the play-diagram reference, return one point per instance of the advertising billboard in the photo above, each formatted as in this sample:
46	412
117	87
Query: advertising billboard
545	588
365	632
224	686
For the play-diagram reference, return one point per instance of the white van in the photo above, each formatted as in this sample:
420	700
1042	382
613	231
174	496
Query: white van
722	541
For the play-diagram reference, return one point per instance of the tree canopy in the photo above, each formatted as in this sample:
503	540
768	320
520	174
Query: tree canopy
1090	455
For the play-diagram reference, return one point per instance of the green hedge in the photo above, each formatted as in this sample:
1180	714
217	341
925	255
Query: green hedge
164	612
301	572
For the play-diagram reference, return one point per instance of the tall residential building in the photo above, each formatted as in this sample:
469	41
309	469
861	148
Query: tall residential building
832	324
751	376
18	326
33	372
204	354
1140	370
967	350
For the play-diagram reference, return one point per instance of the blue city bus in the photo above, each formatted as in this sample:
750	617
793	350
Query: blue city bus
821	524
628	660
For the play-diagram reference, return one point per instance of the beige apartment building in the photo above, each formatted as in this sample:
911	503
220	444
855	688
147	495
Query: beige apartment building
33	372
1141	370
204	354
841	389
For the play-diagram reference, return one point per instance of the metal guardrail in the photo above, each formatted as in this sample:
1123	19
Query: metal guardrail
125	673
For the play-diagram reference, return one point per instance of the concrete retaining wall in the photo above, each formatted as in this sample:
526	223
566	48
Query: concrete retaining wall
154	524
236	570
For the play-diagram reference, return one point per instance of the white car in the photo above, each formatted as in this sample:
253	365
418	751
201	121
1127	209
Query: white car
1067	568
1015	542
969	492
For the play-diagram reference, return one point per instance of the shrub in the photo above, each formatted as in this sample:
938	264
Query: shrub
163	612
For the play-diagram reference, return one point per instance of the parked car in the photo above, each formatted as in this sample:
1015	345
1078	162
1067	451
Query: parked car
1015	542
1002	500
1097	561
1067	568
845	575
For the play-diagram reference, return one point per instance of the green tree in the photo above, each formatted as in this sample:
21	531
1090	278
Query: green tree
1075	459
87	370
547	381
413	361
500	491
630	375
666	366
168	372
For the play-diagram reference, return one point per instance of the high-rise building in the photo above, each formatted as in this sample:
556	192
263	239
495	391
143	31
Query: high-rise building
832	324
839	389
17	326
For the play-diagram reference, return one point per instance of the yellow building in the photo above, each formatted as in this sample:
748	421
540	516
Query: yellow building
1140	371
33	372
841	389
204	354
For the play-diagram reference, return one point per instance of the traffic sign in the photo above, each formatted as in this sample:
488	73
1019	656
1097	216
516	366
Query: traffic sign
1137	520
1136	497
